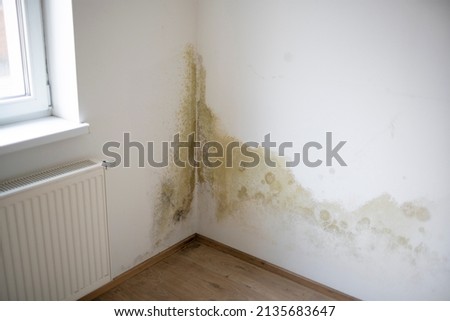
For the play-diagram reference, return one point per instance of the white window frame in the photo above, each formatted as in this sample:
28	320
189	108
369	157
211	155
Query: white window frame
66	121
36	102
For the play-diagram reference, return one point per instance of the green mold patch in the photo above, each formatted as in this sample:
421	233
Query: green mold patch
177	187
274	192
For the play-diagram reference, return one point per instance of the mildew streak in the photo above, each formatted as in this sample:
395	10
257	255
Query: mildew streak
177	187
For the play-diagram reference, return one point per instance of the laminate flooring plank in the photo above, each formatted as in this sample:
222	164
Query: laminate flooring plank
273	286
200	272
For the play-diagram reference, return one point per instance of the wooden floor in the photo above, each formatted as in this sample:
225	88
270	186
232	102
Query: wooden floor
200	272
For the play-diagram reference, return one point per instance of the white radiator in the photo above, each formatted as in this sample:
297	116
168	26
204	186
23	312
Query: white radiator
53	234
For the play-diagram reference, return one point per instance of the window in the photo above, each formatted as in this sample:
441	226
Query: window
26	120
24	93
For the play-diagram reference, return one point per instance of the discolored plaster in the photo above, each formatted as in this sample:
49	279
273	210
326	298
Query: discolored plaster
177	187
276	192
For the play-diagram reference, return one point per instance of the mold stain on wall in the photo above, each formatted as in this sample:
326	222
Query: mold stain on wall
177	187
275	192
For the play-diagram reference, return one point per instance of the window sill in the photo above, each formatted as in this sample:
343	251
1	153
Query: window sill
32	133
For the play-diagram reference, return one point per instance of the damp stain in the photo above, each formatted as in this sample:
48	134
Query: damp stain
414	211
242	193
275	190
177	186
325	215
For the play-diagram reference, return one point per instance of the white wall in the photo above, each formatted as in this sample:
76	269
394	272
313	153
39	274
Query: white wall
129	57
376	74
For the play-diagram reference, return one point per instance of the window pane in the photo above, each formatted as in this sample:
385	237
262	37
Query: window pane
12	80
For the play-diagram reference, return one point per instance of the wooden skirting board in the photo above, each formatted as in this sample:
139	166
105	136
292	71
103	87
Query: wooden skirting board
338	296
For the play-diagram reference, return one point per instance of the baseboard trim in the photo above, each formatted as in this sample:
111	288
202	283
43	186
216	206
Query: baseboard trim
338	296
139	268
